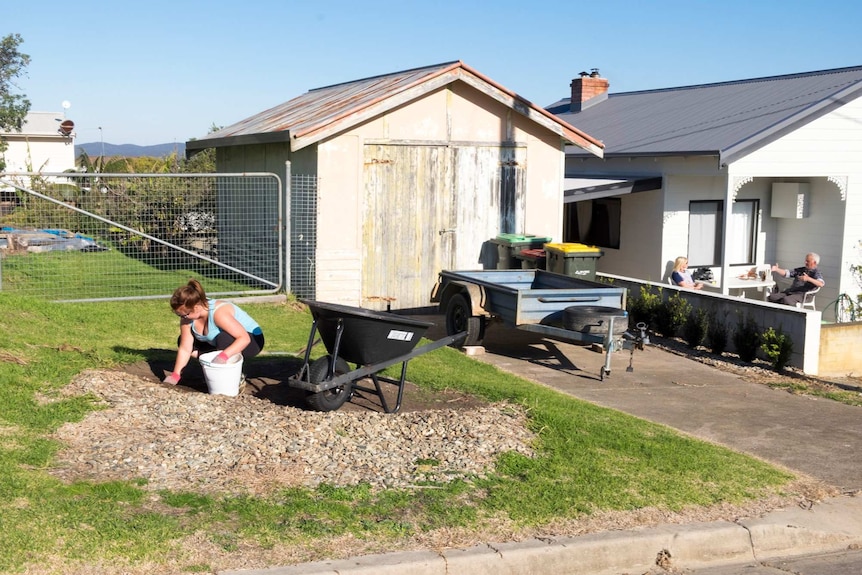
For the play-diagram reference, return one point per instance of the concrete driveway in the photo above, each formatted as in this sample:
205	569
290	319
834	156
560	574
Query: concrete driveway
817	437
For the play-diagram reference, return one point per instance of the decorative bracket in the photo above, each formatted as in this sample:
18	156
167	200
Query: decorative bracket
738	182
841	182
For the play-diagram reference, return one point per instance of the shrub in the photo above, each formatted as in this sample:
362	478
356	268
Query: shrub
716	334
695	327
746	338
643	308
671	315
778	347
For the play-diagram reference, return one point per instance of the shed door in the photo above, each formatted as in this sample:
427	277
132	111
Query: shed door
490	191
430	208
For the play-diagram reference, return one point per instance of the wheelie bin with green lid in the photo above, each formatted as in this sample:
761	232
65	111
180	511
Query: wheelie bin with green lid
510	245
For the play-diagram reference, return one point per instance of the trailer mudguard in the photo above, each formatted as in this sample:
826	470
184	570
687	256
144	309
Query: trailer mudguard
475	294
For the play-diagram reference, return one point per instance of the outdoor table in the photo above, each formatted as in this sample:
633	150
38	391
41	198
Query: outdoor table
740	285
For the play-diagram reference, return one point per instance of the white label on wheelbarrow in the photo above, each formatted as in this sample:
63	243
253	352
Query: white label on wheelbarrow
400	335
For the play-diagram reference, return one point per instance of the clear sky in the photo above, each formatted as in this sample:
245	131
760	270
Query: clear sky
163	71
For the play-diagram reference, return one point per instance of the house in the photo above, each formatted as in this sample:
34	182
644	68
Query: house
779	155
415	172
46	143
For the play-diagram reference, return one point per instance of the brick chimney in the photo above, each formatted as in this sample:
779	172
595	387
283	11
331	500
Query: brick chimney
588	90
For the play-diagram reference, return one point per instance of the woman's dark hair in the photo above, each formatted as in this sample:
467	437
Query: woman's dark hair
188	296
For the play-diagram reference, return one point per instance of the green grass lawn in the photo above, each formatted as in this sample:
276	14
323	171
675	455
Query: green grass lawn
589	459
77	275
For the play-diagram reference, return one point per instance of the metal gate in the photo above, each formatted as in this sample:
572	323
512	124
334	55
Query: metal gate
85	237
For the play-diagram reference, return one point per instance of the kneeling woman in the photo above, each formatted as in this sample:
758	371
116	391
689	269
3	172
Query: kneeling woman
211	325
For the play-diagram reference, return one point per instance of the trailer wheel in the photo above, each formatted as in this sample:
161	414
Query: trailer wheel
330	399
459	318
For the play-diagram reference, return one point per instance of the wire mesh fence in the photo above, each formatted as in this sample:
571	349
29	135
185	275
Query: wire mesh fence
303	234
121	236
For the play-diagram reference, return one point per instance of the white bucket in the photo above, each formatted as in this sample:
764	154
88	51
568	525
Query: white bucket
222	378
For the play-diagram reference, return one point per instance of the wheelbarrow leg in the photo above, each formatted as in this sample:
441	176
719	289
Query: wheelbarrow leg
378	389
339	331
401	387
303	371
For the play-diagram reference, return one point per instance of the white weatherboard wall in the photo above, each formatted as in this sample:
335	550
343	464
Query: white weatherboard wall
339	237
640	238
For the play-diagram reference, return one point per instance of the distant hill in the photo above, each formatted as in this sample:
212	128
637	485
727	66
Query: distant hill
94	149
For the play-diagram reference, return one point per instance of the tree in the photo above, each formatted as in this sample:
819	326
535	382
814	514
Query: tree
13	107
204	162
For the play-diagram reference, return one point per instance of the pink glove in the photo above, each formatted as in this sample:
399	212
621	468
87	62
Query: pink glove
221	358
173	378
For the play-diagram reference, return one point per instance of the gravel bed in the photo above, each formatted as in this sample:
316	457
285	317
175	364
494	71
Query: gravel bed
246	445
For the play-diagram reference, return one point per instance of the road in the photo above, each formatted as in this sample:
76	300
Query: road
844	563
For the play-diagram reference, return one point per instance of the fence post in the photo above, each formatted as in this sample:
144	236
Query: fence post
288	243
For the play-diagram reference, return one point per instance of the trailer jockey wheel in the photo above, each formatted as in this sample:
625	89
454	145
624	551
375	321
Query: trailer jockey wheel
329	399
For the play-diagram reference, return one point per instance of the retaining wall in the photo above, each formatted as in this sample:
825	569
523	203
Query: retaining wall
802	325
839	349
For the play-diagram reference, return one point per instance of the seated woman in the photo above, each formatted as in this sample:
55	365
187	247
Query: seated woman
680	275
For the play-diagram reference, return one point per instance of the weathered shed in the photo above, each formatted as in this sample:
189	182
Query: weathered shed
416	171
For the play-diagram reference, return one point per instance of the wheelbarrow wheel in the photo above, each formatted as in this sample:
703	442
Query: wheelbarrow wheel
330	399
460	318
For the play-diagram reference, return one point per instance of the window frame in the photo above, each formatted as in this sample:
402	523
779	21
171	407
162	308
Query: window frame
697	256
605	236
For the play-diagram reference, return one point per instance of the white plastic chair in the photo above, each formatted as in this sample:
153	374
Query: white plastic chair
808	299
670	280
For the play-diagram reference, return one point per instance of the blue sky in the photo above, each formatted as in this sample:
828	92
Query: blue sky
162	71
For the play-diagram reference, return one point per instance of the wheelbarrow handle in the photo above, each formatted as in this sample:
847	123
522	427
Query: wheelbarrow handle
367	370
380	366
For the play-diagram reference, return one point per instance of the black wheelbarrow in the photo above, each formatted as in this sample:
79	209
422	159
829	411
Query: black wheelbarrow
371	340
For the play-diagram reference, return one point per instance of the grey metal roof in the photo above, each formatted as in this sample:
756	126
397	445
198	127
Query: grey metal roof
727	119
326	111
39	124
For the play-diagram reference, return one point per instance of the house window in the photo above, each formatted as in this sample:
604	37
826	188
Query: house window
705	231
593	222
743	230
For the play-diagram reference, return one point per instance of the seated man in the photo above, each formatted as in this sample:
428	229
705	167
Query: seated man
805	278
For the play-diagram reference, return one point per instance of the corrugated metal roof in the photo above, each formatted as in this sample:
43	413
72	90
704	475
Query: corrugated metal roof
39	124
326	111
727	119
